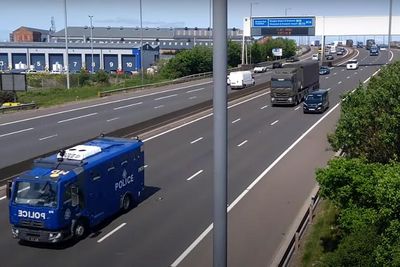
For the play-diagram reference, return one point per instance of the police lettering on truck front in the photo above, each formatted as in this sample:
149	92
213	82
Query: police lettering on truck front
124	181
31	214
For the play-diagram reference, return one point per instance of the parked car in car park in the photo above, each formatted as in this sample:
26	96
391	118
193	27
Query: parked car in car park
352	65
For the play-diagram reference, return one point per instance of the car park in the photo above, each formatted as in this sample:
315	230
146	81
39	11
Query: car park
323	70
316	102
352	65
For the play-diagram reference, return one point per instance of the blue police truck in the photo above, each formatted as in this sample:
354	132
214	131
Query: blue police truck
67	193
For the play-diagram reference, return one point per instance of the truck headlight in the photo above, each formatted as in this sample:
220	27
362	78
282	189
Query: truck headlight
290	99
272	98
15	232
54	237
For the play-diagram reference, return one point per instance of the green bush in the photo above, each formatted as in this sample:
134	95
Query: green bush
84	78
6	96
101	77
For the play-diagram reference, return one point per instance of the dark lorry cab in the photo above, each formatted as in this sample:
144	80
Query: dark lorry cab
316	102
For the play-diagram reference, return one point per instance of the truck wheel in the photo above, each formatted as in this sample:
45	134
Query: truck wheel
126	203
80	229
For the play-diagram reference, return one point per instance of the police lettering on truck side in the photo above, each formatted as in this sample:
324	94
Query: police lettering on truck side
124	181
31	214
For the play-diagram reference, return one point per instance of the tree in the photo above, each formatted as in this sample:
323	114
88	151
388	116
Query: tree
256	55
369	125
234	54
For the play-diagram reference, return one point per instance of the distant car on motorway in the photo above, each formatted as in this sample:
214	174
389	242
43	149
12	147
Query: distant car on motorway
276	65
292	59
324	70
360	45
315	57
259	69
339	52
329	57
352	65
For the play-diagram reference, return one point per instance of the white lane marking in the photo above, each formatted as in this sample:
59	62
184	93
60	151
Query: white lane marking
367	66
192	97
1	198
110	233
339	82
127	106
297	108
16	132
275	122
391	52
242	143
376	72
328	89
236	201
195	90
348	77
369	78
79	117
235	121
264	107
335	73
326	77
164	97
342	69
197	140
48	137
113	119
194	175
102	104
203	117
355	73
160	106
361	69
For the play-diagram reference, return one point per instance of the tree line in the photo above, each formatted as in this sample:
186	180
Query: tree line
364	183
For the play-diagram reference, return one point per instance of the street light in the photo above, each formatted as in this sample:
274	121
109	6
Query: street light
251	14
390	28
66	43
91	40
286	10
141	40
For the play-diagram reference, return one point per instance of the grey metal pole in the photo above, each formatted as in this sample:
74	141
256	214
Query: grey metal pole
141	40
220	16
91	40
66	43
390	29
210	17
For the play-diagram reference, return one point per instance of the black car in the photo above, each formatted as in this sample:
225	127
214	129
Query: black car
292	59
329	57
276	65
324	70
316	102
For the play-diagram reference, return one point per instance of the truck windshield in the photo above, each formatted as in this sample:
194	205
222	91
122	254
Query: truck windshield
281	83
38	194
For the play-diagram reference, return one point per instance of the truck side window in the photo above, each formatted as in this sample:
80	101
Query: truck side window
67	193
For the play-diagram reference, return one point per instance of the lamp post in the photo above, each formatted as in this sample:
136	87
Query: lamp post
286	10
251	14
66	43
141	40
91	41
390	29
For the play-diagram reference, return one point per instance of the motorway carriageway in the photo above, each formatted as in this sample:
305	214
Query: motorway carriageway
179	204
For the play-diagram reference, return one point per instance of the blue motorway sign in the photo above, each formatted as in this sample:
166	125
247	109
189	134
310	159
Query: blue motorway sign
283	22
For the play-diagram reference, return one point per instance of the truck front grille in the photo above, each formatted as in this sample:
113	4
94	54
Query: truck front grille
31	223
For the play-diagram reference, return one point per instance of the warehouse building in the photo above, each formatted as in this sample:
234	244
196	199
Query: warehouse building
48	56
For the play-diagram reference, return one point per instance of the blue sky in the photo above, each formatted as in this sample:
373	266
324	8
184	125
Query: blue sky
170	13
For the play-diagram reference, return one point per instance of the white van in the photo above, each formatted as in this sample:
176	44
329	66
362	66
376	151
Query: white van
241	79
